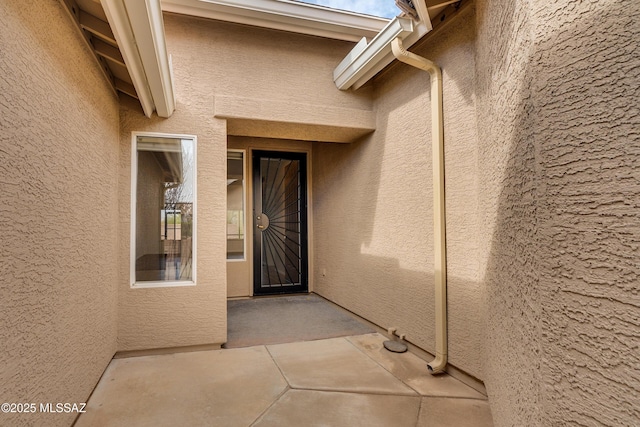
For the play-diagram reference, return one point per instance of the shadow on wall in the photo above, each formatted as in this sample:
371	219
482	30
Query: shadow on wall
333	170
373	218
399	151
508	212
346	185
562	272
381	288
558	187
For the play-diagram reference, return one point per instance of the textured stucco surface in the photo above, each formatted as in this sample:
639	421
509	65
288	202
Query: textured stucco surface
542	183
237	61
558	119
267	118
373	206
58	212
591	168
542	190
184	315
211	59
508	254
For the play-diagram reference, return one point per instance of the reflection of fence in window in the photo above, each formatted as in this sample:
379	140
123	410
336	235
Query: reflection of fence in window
175	221
176	233
171	223
235	225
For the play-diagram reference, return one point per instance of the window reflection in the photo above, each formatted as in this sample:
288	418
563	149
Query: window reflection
164	209
235	205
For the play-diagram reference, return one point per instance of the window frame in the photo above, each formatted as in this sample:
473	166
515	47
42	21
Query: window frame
133	215
244	204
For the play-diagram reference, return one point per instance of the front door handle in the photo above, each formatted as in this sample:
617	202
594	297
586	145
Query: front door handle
262	222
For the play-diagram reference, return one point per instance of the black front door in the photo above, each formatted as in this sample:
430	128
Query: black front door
280	223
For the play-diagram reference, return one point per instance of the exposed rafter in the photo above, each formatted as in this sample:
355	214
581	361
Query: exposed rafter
97	27
126	88
107	51
74	12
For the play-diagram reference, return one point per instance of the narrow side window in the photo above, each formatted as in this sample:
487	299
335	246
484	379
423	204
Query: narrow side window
235	205
163	210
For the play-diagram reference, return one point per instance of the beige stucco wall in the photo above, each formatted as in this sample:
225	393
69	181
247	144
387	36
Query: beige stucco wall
210	59
185	315
229	60
558	118
373	206
58	214
509	255
541	120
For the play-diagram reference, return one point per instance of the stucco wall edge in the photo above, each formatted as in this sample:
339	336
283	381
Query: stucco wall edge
268	110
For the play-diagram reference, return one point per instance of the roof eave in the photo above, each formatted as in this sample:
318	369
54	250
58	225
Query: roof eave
138	27
286	15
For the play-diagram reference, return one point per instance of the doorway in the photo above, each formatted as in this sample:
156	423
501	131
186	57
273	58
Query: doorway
280	223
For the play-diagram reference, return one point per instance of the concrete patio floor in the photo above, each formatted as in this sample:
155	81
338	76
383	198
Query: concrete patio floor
350	381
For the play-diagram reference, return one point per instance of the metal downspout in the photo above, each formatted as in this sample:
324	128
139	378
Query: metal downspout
437	142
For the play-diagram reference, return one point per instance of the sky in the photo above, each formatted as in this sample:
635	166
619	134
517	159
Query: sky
383	8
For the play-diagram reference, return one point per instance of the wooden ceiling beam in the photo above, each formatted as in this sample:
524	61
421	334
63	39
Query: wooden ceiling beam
126	88
107	51
97	27
73	10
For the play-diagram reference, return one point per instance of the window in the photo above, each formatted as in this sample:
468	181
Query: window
163	210
235	205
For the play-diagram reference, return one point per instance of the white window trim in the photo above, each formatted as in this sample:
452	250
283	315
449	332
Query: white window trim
244	201
132	213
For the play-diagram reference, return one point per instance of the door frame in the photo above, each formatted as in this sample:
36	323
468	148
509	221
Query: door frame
304	158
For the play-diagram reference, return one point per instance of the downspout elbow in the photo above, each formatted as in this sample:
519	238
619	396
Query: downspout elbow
438	364
403	55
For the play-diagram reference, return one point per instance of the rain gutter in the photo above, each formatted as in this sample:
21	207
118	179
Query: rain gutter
367	59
